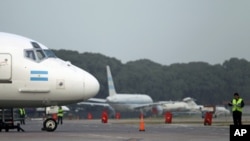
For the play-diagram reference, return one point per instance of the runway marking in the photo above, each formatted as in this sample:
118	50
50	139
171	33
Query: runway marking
133	139
105	136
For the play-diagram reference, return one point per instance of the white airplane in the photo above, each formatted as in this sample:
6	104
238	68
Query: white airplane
216	110
187	105
221	111
121	102
32	76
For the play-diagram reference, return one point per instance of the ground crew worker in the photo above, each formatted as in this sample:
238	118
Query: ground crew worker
237	104
60	115
22	115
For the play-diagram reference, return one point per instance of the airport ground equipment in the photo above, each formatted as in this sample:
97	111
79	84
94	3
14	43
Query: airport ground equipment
168	117
208	118
9	120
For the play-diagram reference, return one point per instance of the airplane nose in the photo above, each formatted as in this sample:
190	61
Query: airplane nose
92	86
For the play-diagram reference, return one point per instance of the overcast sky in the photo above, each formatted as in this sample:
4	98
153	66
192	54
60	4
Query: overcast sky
164	31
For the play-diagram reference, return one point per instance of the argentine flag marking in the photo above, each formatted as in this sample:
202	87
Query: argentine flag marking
38	75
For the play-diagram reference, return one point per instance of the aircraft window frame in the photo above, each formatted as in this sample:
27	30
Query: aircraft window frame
36	55
29	53
49	53
40	54
36	45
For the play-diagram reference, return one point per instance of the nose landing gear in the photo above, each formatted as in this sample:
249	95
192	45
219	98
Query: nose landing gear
49	125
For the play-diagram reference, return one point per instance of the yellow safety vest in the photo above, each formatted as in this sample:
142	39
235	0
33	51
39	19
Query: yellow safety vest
22	111
60	112
237	105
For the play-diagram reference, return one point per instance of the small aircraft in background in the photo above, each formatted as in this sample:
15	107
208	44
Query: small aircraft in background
221	111
187	105
32	76
121	101
216	110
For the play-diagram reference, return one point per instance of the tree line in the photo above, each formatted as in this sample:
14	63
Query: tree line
208	84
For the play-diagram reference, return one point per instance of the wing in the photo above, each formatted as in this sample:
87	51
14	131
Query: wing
150	105
94	104
97	100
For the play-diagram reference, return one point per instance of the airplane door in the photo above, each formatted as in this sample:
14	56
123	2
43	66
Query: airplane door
5	67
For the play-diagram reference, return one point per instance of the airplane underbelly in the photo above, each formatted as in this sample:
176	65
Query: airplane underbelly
121	107
30	103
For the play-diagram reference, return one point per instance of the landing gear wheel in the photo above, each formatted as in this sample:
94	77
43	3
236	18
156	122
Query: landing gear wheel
49	125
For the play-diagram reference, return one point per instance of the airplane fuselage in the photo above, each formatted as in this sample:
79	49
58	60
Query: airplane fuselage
41	79
128	102
176	106
187	105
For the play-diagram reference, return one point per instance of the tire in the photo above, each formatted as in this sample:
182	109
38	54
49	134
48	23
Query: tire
50	125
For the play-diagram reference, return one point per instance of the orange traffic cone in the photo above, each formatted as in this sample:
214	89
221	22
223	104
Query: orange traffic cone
142	127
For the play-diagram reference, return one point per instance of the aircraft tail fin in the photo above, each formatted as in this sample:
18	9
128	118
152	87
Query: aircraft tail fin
190	101
111	85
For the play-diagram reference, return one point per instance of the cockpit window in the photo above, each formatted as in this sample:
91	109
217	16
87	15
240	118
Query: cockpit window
35	45
37	53
30	54
49	53
40	54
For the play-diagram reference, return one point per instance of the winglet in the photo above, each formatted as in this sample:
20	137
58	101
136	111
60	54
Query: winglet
110	82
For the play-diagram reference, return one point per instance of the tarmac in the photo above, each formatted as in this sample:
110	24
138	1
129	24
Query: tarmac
180	129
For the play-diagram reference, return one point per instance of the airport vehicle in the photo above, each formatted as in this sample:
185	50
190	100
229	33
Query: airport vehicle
32	76
121	101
